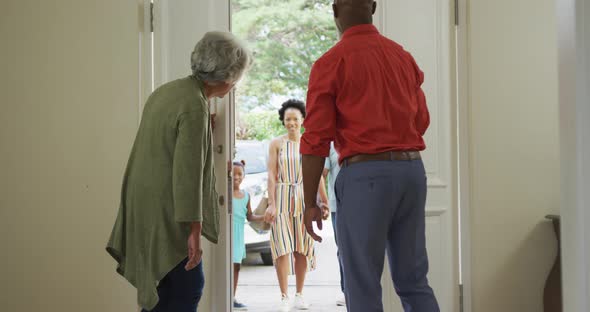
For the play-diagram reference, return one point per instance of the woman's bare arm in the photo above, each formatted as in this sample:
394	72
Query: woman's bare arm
324	198
322	191
273	167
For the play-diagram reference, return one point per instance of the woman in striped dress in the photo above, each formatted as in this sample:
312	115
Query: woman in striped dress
292	248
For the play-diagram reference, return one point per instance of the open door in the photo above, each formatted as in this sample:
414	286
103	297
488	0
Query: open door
425	29
178	25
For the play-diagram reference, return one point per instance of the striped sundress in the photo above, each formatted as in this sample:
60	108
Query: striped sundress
288	234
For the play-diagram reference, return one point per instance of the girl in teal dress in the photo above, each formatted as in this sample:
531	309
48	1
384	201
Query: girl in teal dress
241	212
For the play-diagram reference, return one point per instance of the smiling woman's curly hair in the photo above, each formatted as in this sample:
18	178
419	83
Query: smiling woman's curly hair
296	104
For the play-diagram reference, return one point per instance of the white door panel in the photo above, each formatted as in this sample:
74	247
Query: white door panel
178	25
424	27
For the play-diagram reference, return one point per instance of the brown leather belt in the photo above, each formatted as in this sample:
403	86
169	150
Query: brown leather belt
392	155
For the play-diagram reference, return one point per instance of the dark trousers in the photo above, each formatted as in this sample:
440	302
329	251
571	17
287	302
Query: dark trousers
381	207
180	290
334	218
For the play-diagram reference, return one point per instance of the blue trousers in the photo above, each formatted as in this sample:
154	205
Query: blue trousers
381	207
334	218
180	290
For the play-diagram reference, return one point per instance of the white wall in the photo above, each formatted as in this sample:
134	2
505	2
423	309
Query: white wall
514	152
574	100
69	96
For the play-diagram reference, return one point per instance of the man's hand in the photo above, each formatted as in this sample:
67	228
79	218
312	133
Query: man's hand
313	214
195	253
312	173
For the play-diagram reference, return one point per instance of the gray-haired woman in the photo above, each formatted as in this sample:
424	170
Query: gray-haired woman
168	198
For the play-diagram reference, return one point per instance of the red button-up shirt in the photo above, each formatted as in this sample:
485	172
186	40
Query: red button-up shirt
365	95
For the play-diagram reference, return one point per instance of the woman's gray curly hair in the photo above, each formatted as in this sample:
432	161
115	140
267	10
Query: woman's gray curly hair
220	57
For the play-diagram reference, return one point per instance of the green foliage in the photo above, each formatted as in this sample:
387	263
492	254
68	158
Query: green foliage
259	126
286	37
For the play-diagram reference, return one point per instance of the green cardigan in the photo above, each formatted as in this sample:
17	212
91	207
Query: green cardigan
169	182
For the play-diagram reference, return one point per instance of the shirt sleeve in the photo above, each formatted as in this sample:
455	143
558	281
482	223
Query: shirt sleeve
422	119
190	155
320	122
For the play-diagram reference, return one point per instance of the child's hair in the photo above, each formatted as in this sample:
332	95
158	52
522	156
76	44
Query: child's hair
240	163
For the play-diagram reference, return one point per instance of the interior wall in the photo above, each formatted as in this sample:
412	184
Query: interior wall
69	95
514	152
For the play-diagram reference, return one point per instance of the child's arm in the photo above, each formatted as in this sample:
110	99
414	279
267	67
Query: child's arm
250	216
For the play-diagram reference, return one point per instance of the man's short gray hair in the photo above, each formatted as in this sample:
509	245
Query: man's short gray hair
220	57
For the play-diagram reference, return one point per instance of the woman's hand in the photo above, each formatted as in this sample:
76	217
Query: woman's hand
213	121
270	214
195	253
325	211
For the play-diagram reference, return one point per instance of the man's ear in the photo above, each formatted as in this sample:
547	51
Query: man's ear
374	7
335	9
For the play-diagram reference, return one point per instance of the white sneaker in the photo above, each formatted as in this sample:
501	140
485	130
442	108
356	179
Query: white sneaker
300	303
285	305
341	301
238	306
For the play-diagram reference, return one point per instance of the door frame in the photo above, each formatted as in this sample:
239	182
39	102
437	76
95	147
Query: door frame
221	271
463	117
574	95
145	78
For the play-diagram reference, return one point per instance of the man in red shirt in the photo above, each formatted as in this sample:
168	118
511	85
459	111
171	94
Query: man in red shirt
365	95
